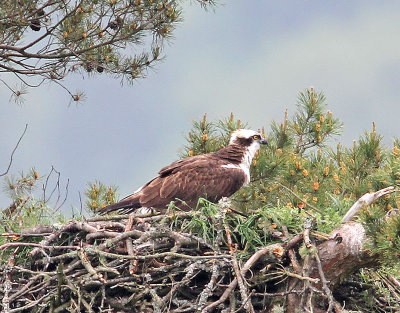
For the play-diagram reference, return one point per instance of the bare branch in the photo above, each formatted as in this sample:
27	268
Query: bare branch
13	152
365	200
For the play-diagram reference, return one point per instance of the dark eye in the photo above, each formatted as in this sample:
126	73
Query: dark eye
256	137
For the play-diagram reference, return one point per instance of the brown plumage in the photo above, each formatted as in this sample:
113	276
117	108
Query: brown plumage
210	176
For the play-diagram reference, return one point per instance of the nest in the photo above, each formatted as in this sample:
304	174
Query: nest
211	259
130	264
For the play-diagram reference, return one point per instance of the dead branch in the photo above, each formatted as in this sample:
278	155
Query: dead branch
239	277
13	151
366	199
324	282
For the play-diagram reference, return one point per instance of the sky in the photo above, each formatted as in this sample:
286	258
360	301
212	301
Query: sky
250	57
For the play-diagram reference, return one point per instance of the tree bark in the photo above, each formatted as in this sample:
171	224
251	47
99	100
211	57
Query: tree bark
343	253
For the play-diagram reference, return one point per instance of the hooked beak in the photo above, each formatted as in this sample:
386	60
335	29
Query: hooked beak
263	141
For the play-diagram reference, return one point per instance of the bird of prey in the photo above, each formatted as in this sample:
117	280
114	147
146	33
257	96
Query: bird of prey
210	176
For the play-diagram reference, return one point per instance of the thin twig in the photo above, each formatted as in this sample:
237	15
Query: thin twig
13	151
240	279
250	262
38	245
325	287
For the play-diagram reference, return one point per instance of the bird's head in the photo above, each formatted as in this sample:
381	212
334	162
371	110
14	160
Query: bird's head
247	138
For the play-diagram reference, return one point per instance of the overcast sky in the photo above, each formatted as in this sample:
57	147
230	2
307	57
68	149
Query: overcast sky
247	57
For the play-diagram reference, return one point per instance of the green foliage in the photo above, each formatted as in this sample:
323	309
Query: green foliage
203	221
383	230
299	175
99	195
47	40
27	209
375	285
251	232
311	125
206	136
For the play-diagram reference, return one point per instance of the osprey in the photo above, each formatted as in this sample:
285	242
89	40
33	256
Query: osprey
210	176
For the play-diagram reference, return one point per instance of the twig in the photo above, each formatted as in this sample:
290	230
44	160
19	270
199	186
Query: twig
325	287
300	277
245	302
78	293
206	293
291	252
155	256
31	303
394	281
13	151
88	266
295	264
240	280
278	294
118	217
8	284
133	265
388	281
250	262
294	241
37	245
21	235
306	233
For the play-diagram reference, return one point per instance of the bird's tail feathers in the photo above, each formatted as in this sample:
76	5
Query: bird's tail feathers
126	205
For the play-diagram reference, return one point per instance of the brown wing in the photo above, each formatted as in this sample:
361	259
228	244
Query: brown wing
187	180
190	179
178	165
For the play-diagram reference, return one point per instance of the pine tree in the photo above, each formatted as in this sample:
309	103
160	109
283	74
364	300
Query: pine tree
45	41
299	177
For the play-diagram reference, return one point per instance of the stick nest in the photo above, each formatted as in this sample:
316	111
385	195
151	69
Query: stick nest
130	264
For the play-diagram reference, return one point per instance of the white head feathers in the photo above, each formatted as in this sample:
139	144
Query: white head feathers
243	133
